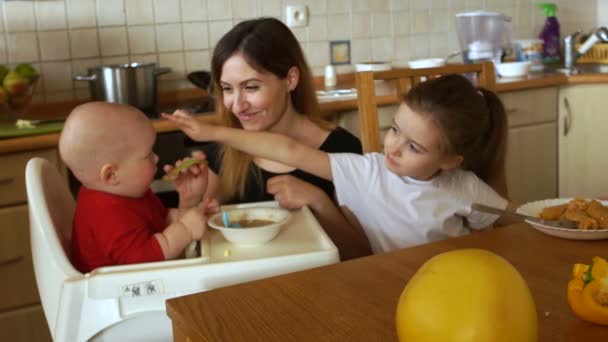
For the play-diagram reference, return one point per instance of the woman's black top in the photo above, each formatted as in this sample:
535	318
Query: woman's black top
339	140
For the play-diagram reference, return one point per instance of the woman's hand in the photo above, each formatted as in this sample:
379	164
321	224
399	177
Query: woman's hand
195	129
292	192
191	182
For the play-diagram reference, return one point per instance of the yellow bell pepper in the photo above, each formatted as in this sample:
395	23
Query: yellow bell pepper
588	291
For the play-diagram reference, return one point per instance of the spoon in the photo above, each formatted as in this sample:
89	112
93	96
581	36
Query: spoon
550	223
227	222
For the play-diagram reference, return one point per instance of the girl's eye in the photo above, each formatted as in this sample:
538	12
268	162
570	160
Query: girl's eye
413	148
394	129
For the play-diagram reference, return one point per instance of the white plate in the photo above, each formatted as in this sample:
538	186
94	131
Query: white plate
535	208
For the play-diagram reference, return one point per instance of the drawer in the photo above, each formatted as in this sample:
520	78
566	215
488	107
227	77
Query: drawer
532	106
12	174
19	285
25	325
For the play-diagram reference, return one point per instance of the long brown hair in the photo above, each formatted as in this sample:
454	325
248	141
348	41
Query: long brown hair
472	120
268	46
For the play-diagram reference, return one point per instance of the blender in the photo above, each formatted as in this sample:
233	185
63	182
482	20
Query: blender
481	36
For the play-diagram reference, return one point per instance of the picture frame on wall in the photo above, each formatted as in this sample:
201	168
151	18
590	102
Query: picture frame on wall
339	52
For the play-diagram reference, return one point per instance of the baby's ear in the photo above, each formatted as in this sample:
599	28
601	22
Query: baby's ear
108	174
451	162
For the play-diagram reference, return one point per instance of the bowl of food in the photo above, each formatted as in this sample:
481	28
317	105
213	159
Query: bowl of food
250	225
591	217
513	69
16	87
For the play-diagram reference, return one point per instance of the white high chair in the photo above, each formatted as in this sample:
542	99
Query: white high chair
128	302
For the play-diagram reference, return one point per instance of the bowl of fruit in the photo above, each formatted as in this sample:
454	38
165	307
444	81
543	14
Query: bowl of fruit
16	88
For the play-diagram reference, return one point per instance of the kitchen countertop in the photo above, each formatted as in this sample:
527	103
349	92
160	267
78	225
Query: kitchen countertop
534	80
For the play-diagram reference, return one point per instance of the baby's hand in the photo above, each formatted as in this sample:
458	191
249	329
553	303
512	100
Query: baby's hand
195	129
191	180
195	220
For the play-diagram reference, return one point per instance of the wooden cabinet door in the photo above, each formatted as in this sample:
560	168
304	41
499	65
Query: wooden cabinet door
25	325
582	137
531	162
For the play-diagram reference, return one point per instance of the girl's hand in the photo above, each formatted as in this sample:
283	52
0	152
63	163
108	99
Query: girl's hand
191	183
292	192
195	129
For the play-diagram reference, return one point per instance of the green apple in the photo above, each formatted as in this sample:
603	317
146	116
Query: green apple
27	71
15	84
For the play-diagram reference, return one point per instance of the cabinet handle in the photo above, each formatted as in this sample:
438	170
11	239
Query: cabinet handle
6	181
567	117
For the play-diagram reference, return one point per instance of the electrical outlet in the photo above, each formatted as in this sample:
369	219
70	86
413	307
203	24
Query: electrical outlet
296	15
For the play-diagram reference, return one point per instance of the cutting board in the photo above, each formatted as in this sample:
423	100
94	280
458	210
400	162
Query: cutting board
9	130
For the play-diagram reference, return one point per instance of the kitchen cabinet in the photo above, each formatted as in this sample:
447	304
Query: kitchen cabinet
531	161
582	120
21	315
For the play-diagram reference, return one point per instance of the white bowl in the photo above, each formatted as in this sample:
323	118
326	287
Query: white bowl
426	63
252	235
372	66
513	69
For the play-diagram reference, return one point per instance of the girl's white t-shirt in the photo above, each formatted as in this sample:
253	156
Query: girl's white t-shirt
398	212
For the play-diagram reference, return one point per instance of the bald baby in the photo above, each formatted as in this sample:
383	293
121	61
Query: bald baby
101	133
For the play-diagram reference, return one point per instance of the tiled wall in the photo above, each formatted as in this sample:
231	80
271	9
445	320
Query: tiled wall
62	38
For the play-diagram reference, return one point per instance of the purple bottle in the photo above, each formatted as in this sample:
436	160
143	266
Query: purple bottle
550	35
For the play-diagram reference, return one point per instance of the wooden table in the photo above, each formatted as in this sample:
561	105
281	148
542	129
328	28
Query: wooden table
356	300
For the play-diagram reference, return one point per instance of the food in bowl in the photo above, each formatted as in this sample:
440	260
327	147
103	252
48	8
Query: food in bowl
513	69
590	214
256	225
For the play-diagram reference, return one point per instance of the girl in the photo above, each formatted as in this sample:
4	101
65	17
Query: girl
446	139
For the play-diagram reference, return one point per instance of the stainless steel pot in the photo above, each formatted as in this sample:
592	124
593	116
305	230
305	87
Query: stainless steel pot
133	84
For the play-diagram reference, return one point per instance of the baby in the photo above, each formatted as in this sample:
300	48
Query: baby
118	220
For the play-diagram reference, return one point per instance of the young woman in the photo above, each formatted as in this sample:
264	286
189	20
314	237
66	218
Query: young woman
262	83
438	155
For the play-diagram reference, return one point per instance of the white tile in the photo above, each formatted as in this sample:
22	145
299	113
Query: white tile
399	5
194	10
401	23
317	28
270	8
217	29
317	54
169	37
382	49
420	46
54	45
419	5
219	9
167	11
143	59
111	12
473	5
301	33
111	60
380	5
441	21
113	41
338	26
198	60
458	5
421	22
338	6
317	6
22	47
3	50
51	15
362	25
19	16
381	24
445	4
361	50
82	13
244	9
196	36
175	61
402	48
1	18
80	67
84	43
361	5
57	76
142	39
140	12
438	45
